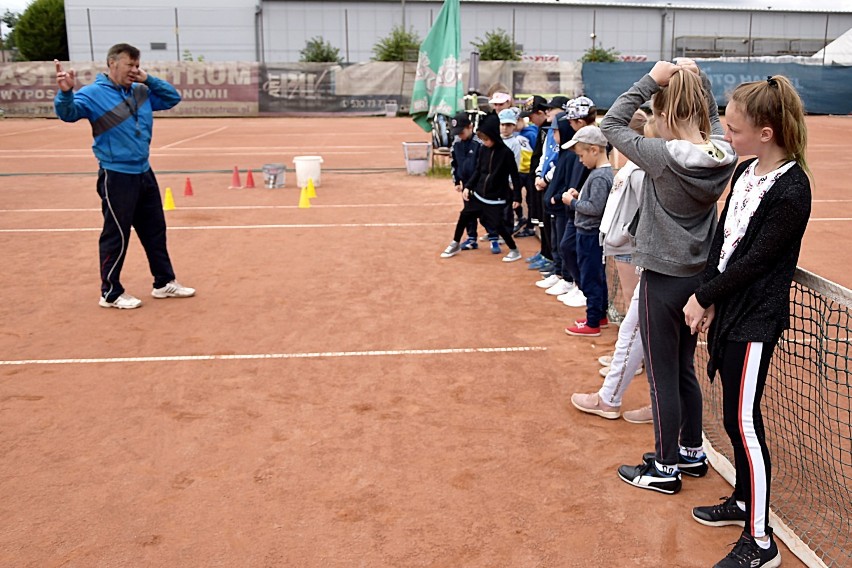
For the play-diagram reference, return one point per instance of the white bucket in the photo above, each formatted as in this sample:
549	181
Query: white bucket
308	167
273	175
418	157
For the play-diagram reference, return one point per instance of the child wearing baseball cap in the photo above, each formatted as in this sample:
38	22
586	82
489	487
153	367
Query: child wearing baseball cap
463	154
588	205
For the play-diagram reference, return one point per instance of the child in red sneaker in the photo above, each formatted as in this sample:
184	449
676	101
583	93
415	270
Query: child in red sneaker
588	205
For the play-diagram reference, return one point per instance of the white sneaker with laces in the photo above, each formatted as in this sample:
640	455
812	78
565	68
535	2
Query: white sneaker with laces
576	299
561	287
548	282
123	302
173	290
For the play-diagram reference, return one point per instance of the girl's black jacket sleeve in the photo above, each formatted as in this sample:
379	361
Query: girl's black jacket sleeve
752	296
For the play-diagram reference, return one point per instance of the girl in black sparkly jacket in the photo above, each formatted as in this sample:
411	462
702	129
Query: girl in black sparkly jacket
744	296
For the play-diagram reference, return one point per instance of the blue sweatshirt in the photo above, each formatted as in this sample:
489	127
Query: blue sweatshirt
530	132
122	119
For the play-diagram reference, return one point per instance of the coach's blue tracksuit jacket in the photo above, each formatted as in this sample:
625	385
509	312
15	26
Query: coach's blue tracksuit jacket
122	119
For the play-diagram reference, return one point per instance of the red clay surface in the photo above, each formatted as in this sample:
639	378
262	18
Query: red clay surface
344	442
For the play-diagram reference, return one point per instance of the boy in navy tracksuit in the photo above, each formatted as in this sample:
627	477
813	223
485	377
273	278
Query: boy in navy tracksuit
568	170
464	153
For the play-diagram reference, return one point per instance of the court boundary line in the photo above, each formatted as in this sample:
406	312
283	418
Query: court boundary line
240	227
240	207
267	356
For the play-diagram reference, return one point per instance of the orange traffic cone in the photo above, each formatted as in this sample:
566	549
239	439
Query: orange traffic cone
187	189
235	180
249	180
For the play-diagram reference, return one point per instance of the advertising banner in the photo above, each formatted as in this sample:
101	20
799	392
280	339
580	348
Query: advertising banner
300	89
824	89
207	89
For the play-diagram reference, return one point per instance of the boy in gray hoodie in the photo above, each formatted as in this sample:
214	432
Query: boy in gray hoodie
686	171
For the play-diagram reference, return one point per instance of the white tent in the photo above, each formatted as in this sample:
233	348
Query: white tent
838	52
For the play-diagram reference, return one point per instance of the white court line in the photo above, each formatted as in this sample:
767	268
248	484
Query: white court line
202	135
247	207
20	132
254	356
222	227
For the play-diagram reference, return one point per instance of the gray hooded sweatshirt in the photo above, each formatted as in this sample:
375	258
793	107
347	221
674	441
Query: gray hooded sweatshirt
677	216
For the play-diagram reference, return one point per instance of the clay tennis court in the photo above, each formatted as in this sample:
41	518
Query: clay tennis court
336	395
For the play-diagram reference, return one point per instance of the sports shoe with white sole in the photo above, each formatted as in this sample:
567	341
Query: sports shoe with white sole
727	513
693	467
576	299
748	554
452	250
123	302
514	254
639	416
592	404
605	360
173	290
561	287
548	282
646	476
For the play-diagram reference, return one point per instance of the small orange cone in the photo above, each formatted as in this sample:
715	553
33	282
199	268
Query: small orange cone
169	200
249	180
304	200
235	180
312	191
187	189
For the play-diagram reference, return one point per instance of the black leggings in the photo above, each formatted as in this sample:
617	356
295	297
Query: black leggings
743	371
489	215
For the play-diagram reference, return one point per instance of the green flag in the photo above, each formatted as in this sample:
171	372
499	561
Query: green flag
437	84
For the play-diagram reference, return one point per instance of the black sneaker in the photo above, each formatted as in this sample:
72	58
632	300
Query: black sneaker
688	466
646	476
748	554
728	513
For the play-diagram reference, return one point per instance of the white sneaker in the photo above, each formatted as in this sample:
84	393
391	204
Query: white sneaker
123	302
561	287
173	290
452	250
514	254
548	282
576	299
565	296
605	360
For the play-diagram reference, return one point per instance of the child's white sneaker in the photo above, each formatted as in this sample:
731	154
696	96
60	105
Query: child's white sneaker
514	254
452	250
173	290
548	282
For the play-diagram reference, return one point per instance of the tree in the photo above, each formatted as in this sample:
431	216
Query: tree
394	46
40	33
600	55
10	19
497	46
317	50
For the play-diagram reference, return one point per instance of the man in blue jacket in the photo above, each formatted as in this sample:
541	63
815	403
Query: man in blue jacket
119	106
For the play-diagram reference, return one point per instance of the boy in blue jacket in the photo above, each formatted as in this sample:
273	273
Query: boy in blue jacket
463	155
119	105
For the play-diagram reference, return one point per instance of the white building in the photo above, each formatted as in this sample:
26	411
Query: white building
276	30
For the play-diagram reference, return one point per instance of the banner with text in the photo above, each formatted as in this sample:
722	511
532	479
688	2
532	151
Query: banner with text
207	89
824	89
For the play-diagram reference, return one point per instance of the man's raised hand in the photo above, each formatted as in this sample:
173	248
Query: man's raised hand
65	79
